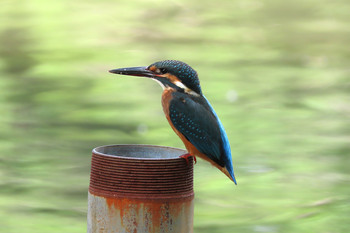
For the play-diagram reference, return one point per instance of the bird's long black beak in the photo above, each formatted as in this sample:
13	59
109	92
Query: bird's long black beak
134	71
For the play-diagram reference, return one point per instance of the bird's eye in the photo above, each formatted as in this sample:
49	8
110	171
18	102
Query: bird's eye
163	70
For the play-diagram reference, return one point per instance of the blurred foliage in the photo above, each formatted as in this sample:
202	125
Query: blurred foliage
277	73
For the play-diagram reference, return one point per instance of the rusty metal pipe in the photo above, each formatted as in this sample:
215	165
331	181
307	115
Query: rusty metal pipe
140	189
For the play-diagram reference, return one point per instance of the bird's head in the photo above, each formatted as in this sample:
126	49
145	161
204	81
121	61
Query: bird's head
169	73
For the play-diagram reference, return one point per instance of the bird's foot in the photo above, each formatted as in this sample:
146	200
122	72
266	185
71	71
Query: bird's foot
186	156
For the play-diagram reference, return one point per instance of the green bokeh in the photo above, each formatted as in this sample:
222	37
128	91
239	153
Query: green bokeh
277	73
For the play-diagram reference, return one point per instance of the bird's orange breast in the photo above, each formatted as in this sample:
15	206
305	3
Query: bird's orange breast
166	98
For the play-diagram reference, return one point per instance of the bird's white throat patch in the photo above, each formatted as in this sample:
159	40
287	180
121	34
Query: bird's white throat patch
187	90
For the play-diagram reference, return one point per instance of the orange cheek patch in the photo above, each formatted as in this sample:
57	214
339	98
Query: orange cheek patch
172	78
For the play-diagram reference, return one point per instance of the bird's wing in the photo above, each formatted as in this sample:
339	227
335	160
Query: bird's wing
194	118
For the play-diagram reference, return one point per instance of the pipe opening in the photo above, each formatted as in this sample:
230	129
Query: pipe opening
140	151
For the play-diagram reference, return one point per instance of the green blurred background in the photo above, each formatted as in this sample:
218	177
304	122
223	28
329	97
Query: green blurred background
276	72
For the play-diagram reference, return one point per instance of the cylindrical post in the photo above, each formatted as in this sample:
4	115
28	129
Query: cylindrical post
140	189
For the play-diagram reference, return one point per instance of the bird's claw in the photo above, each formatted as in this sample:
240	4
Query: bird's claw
186	156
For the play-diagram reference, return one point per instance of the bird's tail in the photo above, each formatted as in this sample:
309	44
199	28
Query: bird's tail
229	173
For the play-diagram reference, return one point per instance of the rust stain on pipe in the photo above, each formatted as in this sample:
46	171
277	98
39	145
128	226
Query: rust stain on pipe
140	188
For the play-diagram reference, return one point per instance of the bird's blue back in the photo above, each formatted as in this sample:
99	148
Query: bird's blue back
226	144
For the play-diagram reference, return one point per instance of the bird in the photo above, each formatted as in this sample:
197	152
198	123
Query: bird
188	112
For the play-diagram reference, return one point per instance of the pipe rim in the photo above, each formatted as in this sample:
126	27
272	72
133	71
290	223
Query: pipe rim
165	148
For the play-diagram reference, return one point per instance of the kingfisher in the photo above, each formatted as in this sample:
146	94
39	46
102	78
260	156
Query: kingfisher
188	112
